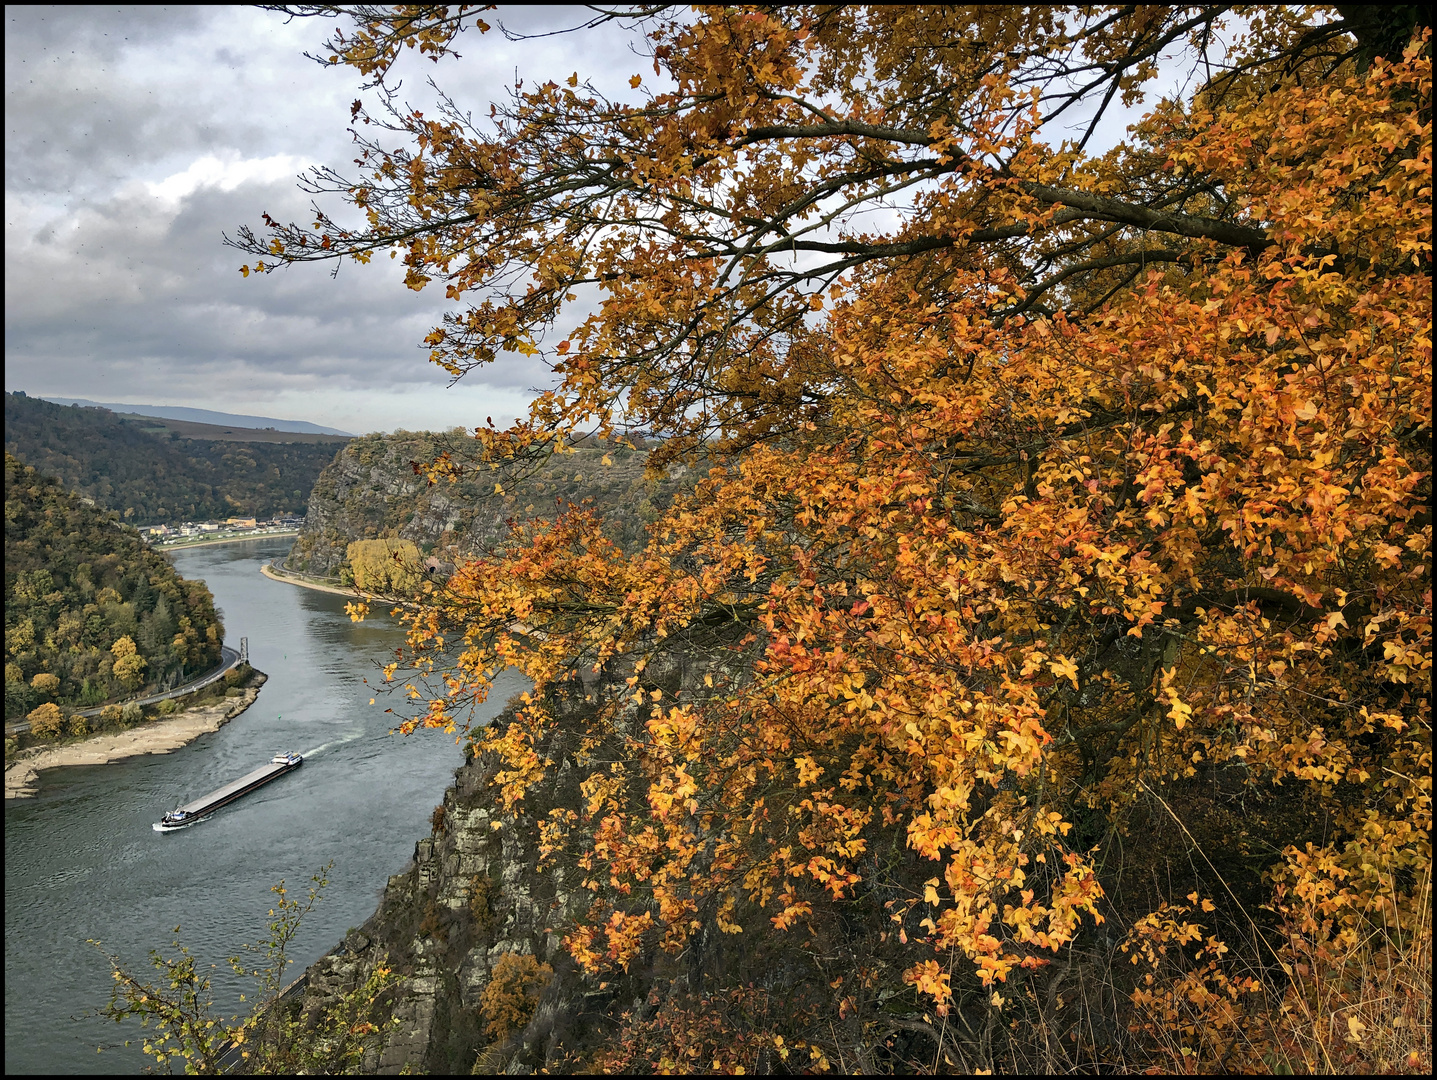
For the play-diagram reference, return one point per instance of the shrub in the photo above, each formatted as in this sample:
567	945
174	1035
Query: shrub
481	902
45	683
131	714
168	707
112	715
45	720
234	692
508	1002
79	725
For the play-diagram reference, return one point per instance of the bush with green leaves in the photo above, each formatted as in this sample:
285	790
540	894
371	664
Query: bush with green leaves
177	1010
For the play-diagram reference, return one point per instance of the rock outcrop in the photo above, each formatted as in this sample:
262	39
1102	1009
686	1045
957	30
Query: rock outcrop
472	892
475	891
371	490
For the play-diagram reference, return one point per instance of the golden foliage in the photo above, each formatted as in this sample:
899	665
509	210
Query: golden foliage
508	1001
46	720
1083	479
385	566
130	668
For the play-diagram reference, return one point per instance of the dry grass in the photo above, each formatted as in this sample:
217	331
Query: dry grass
1365	1010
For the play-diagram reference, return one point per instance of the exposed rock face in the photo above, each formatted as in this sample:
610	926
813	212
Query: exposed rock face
472	893
371	490
475	891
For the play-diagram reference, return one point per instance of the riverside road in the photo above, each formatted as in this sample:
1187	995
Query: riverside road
229	658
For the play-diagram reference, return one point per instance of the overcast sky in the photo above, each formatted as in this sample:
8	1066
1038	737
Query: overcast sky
135	137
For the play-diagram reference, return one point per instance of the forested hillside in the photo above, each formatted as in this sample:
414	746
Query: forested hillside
91	613
371	490
151	479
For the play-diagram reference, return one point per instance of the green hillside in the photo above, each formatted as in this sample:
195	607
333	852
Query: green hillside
151	478
78	586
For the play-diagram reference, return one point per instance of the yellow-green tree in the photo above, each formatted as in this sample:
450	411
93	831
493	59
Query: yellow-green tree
46	683
387	566
129	665
46	720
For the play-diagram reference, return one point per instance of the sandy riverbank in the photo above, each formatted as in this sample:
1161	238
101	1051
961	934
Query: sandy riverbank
22	779
269	573
302	583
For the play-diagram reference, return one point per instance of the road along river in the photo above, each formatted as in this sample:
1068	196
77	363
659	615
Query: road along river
81	860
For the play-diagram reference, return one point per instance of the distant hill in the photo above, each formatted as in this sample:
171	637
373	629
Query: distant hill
89	609
152	478
204	416
188	429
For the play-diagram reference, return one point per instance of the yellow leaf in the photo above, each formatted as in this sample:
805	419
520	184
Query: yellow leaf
1064	668
634	82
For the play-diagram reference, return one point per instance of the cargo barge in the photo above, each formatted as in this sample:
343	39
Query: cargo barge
184	816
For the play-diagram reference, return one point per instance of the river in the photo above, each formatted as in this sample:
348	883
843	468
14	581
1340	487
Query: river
81	860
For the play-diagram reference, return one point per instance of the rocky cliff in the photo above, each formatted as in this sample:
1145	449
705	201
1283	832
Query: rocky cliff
473	894
371	490
476	898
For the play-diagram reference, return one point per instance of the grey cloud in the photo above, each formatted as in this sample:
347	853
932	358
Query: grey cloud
73	118
153	289
114	295
102	30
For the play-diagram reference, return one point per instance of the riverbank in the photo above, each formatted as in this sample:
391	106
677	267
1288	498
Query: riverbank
185	545
22	778
303	583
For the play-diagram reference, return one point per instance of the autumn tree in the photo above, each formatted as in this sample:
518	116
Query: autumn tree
129	665
384	566
46	720
1063	491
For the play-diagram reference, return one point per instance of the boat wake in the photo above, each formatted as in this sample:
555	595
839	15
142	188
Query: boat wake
353	736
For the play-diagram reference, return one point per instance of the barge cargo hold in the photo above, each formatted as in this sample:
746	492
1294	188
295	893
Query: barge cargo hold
185	816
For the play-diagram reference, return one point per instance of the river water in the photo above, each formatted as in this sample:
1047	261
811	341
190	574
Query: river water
81	860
